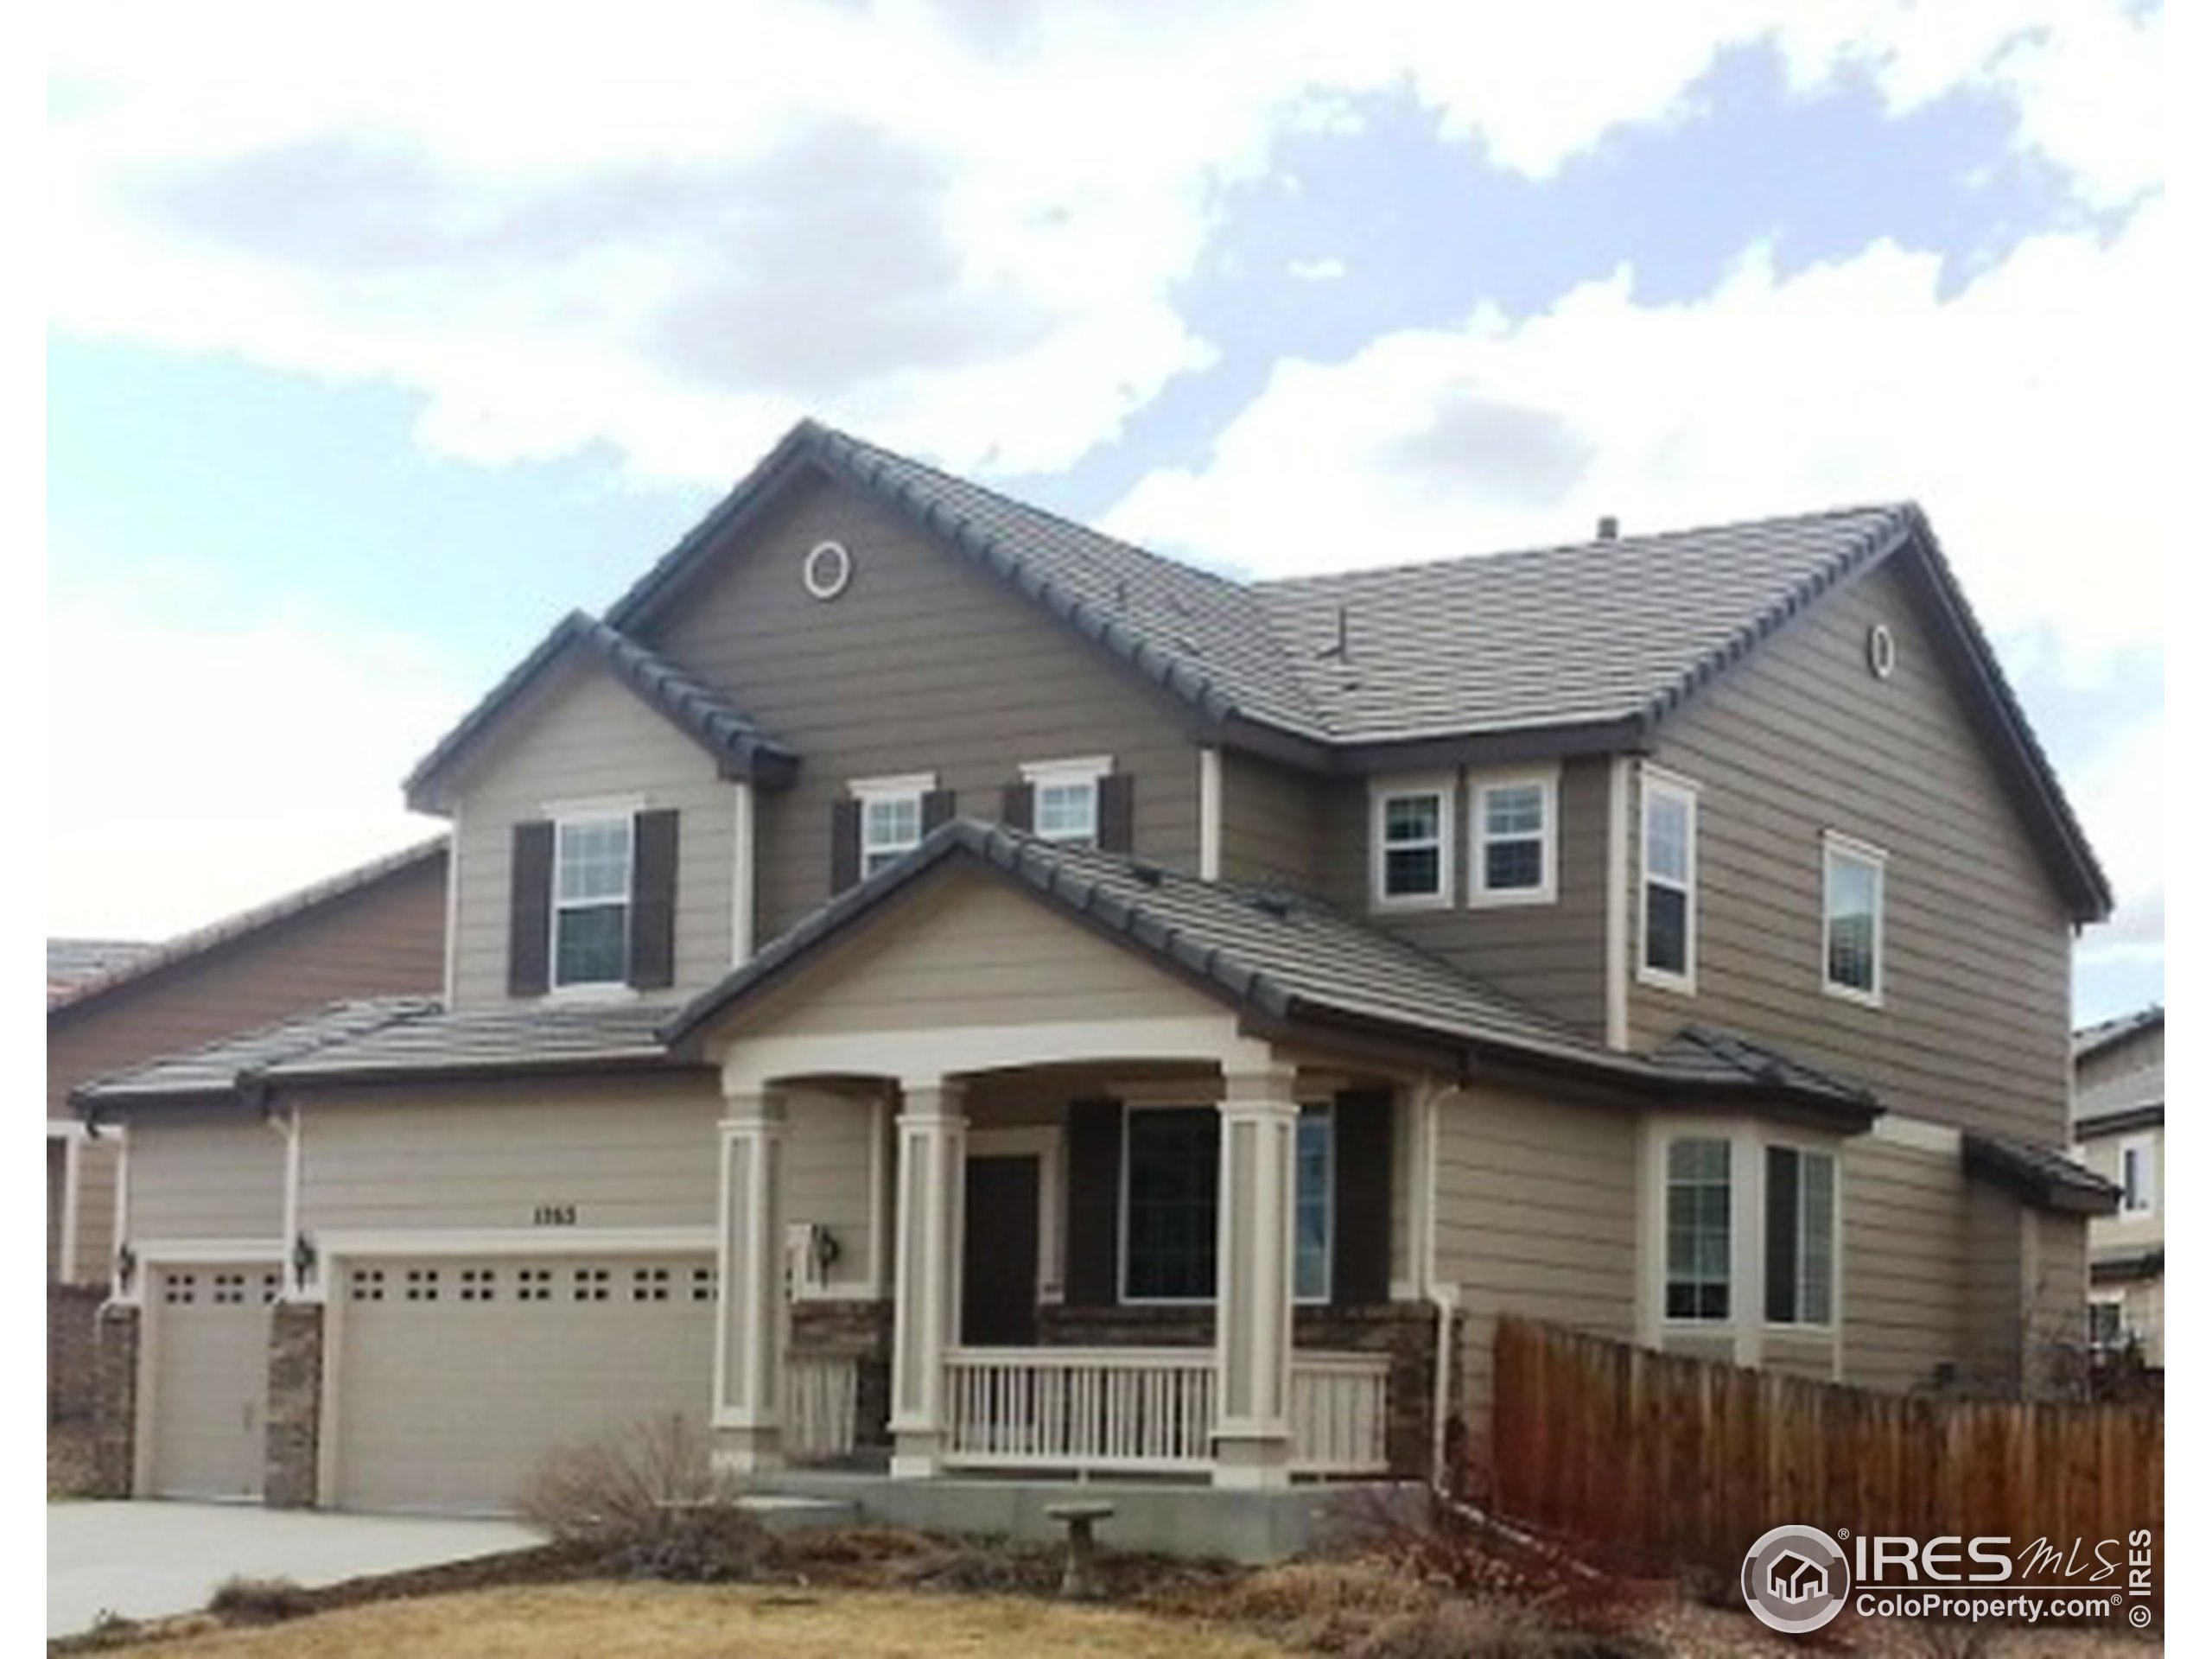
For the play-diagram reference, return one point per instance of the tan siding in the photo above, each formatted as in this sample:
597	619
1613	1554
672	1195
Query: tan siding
1536	1216
1552	956
1272	821
972	952
826	1148
626	1152
97	1162
925	663
1802	740
2143	1051
1904	1233
207	1175
2124	1232
1991	1329
583	738
1809	1357
387	938
1718	1351
2056	1296
2143	1310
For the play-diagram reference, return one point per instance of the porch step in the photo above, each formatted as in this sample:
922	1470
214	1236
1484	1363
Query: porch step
801	1512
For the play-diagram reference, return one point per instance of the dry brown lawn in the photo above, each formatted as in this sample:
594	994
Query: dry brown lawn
671	1621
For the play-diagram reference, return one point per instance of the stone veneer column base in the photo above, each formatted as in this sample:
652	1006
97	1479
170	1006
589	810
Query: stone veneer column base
295	1439
115	1402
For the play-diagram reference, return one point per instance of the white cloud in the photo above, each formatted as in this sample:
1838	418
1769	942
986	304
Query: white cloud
226	766
672	232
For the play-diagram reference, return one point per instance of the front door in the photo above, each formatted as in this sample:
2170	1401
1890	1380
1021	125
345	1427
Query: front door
998	1274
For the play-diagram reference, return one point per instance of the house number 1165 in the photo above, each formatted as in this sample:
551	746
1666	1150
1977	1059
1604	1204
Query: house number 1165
554	1215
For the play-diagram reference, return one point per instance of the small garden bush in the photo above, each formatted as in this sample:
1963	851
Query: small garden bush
650	1503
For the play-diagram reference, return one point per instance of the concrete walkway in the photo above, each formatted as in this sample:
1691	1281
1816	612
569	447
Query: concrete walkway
143	1561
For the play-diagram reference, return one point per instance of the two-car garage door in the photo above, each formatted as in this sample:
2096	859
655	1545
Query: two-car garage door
456	1375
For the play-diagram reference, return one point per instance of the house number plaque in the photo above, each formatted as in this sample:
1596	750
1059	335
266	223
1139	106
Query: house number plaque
554	1215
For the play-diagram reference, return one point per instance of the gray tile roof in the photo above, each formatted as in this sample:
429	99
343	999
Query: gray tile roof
152	959
397	1037
739	748
219	1068
1284	955
69	963
1601	632
2105	1033
1698	1054
2041	1175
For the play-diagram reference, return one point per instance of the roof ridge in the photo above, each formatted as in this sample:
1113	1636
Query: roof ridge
239	924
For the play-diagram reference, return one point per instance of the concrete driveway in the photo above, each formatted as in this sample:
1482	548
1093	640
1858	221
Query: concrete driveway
143	1560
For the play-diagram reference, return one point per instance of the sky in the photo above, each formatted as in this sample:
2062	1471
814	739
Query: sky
376	342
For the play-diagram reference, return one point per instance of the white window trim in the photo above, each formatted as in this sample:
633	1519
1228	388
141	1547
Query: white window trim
1802	1326
2116	1299
1834	845
577	813
1445	788
1089	769
1656	781
1690	1323
1480	894
913	786
2146	1145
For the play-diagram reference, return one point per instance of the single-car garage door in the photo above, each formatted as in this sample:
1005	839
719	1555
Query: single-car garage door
456	1376
210	1377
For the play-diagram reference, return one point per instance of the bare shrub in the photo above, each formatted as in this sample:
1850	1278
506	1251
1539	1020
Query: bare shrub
649	1502
260	1601
1450	1628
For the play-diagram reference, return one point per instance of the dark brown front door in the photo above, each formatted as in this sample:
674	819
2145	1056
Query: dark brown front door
998	1274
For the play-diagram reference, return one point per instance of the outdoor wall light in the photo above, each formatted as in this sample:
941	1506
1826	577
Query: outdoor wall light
126	1267
303	1259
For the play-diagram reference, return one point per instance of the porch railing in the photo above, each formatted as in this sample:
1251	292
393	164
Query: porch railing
825	1405
1149	1411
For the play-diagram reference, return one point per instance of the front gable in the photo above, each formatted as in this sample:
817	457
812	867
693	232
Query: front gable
921	664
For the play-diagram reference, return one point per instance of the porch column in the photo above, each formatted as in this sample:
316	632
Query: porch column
932	1170
749	1318
1259	1145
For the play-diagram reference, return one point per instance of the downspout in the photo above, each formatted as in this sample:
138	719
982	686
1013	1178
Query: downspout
1444	1299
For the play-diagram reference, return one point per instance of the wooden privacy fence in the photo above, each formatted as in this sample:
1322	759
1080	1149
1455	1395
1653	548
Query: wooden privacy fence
1685	1462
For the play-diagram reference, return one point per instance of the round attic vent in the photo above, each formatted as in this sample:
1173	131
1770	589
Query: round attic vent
828	569
1881	650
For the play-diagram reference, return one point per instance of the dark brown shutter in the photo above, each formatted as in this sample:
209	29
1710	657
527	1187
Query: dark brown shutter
1018	806
1362	1270
1117	813
530	911
844	844
1094	1203
936	808
652	902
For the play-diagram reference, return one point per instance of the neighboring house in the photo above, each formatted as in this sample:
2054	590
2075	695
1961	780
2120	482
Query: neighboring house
928	980
112	1007
2120	1132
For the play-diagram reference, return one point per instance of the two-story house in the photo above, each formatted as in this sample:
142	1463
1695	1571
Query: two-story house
926	978
2120	1133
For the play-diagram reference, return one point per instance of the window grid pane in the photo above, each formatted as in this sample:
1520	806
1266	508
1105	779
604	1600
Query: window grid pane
891	826
1853	908
1316	1168
1068	811
1412	845
1174	1175
1698	1227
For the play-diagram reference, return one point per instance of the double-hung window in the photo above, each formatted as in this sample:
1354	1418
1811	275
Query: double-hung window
2139	1183
1800	1237
891	818
1171	1203
1700	1228
1851	924
1064	799
592	863
1669	882
1514	840
1411	833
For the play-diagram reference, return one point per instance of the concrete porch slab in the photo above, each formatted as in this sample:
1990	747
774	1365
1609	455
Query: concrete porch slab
1202	1522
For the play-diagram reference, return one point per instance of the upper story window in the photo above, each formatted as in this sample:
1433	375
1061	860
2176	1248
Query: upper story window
592	866
1801	1218
1063	798
2138	1176
1700	1228
891	818
1669	908
1850	925
1514	840
1411	833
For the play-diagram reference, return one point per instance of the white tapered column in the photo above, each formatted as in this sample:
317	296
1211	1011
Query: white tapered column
1253	1268
932	1173
749	1318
